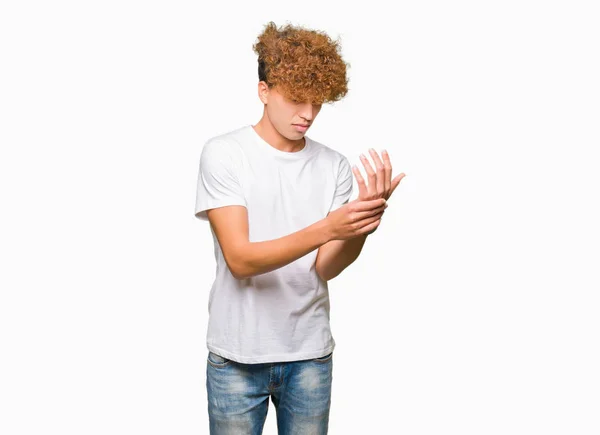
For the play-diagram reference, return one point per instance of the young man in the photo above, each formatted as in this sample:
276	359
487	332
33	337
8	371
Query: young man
282	225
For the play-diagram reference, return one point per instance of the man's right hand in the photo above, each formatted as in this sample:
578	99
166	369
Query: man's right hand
355	218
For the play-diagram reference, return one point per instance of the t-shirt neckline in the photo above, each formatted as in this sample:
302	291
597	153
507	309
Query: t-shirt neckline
283	154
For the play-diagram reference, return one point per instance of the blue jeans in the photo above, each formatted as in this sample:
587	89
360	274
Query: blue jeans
238	395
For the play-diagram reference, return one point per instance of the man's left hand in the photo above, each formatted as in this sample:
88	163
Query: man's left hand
380	184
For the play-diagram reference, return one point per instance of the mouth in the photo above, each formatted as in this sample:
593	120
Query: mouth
301	128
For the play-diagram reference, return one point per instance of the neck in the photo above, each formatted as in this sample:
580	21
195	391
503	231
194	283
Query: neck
265	129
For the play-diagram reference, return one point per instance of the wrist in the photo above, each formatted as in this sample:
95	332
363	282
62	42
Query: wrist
326	230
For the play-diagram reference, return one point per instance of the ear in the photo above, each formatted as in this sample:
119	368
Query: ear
263	92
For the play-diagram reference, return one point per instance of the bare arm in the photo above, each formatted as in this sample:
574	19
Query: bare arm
333	257
246	259
336	255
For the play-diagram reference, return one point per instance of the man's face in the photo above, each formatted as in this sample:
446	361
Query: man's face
288	116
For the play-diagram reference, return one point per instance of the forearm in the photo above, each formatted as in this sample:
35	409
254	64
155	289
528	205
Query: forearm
336	255
255	258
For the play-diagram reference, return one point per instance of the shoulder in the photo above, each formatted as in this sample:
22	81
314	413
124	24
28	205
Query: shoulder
226	144
330	153
338	163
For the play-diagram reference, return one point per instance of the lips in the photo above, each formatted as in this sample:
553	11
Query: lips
302	125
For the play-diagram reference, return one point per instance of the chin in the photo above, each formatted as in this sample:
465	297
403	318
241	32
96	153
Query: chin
294	135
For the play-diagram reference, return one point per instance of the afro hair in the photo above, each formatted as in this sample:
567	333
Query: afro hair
304	65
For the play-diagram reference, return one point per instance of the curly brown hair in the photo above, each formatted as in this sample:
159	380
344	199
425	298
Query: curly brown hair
304	65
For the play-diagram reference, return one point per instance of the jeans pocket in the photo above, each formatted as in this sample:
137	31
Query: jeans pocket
217	360
323	359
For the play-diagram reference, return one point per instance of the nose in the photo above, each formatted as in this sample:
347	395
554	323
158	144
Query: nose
308	112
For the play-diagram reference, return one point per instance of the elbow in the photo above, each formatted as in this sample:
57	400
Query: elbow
238	276
238	270
242	275
235	273
325	277
329	271
235	260
322	273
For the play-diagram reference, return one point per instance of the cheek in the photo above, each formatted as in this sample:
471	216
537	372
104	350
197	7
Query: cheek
281	115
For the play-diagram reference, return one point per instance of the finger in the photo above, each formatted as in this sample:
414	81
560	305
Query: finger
368	213
387	164
380	172
368	205
372	187
366	221
396	181
371	227
362	188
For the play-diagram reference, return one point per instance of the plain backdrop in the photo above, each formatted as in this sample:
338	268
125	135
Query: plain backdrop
473	309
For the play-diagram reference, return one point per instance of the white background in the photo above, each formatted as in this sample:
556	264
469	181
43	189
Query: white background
473	309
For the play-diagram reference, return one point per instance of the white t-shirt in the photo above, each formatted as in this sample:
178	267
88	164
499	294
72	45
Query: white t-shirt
282	315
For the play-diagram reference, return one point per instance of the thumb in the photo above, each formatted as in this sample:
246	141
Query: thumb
396	181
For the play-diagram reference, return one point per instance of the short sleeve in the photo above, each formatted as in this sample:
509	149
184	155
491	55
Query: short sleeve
218	179
343	189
